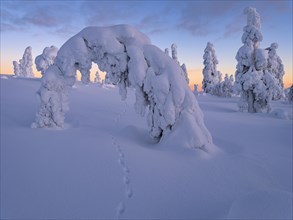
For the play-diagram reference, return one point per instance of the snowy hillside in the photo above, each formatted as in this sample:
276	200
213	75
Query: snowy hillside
104	166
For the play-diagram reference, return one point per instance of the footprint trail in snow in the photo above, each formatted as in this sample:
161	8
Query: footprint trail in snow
121	208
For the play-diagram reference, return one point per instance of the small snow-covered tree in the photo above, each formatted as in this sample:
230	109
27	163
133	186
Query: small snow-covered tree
44	60
253	79
167	51
185	73
175	57
26	63
227	86
24	67
211	76
195	89
174	52
97	78
276	68
289	94
16	67
129	59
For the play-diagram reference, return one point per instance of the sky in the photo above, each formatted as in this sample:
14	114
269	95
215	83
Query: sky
189	24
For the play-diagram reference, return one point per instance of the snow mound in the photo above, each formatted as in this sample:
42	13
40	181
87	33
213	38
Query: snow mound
262	204
280	113
4	77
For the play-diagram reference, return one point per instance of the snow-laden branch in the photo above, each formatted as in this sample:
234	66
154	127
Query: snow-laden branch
129	59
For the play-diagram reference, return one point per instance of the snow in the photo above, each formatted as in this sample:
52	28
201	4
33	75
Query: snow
103	165
44	60
129	60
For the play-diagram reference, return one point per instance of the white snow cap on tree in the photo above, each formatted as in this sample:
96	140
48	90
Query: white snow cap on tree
211	76
276	68
25	64
46	59
251	32
129	59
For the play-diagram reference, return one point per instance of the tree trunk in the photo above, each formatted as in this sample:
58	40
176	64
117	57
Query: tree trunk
251	108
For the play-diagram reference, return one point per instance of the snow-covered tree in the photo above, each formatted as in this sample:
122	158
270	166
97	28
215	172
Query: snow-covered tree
24	67
175	57
227	86
174	52
276	68
185	73
44	60
253	79
26	63
195	89
129	59
211	76
167	51
97	78
16	67
289	94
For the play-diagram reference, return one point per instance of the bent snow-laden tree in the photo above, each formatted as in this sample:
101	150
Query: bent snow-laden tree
129	59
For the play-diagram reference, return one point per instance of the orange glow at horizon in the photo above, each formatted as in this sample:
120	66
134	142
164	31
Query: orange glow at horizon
195	75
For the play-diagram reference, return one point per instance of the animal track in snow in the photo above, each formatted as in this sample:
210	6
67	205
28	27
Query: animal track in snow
121	208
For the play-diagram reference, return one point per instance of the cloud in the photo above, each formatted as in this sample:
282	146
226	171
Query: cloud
234	27
41	18
8	27
36	14
108	12
201	18
154	24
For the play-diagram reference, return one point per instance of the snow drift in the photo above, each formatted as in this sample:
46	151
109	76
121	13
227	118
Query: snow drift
85	172
130	60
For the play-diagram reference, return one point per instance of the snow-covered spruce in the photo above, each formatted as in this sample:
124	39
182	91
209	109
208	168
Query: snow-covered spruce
289	94
211	76
253	79
276	68
185	73
44	60
16	68
224	88
174	52
175	57
129	59
24	67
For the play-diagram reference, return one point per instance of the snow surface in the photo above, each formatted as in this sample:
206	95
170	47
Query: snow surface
103	165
